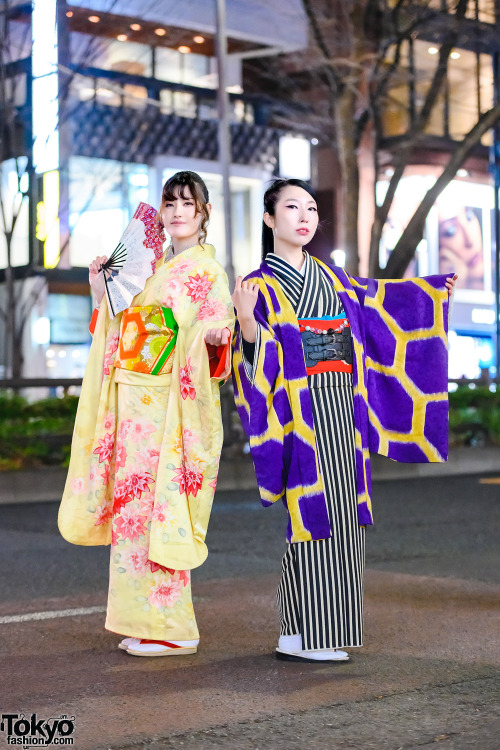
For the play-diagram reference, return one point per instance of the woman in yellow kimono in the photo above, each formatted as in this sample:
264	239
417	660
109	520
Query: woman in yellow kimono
148	432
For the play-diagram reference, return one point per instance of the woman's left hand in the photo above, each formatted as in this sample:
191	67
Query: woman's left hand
450	283
217	336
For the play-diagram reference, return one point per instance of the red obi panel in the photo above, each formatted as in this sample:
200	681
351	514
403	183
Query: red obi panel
330	352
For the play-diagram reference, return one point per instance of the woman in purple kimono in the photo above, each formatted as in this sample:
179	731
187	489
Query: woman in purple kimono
327	368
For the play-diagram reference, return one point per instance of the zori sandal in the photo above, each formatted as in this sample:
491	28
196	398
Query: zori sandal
127	642
146	647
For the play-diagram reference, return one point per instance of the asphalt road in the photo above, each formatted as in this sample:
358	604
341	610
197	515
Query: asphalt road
428	671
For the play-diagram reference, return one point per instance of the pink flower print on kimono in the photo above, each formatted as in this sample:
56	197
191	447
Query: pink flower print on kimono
148	457
109	421
121	495
102	514
190	476
188	437
199	286
110	352
162	514
155	567
184	575
187	386
182	440
141	430
130	524
120	455
124	428
212	309
137	483
79	485
181	267
105	475
135	561
106	446
147	505
172	293
164	593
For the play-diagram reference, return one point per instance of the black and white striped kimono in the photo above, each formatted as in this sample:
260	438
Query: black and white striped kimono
320	594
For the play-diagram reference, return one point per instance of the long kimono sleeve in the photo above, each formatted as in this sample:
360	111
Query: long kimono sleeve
187	478
405	326
272	398
257	387
87	494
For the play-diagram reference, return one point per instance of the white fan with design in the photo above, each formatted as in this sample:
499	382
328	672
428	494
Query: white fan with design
133	260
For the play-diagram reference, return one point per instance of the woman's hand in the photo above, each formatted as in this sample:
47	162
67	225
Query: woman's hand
450	283
244	299
96	277
218	336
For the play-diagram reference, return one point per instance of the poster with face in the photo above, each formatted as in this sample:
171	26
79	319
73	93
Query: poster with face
461	247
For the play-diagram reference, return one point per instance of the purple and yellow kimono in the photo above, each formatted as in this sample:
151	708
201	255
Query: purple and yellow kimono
400	389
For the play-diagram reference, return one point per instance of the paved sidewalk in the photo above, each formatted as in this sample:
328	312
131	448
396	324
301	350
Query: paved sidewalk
428	673
48	483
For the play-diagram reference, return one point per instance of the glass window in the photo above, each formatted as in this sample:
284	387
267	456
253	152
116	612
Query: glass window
463	94
69	316
14	90
17	42
176	67
196	70
463	90
103	196
110	54
14	205
168	64
396	107
180	103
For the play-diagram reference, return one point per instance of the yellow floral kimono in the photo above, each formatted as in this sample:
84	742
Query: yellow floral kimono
147	442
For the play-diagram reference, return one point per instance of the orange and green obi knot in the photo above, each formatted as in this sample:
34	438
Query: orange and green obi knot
147	340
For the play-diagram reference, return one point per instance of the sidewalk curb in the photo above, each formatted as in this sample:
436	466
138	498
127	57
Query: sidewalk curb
47	484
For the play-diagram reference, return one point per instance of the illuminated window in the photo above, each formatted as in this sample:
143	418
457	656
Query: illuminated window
103	196
11	198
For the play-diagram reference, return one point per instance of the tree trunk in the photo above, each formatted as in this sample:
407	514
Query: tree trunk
374	269
345	111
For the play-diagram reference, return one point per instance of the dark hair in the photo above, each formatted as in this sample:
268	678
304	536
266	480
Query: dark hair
176	185
270	199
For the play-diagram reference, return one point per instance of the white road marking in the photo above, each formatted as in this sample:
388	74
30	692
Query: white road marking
51	615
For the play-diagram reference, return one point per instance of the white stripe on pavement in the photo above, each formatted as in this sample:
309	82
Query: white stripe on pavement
51	615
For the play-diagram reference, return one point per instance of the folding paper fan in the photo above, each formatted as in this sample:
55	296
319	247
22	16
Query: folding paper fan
133	260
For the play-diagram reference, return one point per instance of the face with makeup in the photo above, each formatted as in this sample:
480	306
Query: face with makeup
180	216
295	217
461	246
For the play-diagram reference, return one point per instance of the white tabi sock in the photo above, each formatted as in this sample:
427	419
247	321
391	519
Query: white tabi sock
292	644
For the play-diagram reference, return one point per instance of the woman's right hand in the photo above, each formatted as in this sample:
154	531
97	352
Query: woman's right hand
245	298
96	277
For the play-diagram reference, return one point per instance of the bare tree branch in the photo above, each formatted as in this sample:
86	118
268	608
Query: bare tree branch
423	118
406	246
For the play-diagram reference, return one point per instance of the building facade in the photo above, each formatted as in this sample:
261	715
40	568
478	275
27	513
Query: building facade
460	228
104	106
108	99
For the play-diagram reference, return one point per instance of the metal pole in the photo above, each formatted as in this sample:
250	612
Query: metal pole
496	178
495	170
224	136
